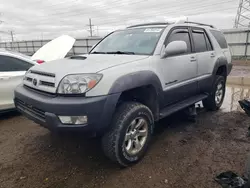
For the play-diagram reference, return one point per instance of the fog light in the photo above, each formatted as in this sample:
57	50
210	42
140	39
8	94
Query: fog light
74	120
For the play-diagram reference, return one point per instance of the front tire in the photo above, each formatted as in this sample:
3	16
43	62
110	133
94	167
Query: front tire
128	139
216	97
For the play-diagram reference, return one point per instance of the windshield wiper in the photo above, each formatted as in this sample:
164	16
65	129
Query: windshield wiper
121	52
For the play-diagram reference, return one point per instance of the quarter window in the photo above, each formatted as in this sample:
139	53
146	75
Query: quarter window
220	38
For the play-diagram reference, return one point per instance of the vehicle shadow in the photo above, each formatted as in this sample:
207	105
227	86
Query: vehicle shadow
9	114
179	123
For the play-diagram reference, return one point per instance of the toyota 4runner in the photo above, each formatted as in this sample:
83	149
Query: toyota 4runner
129	80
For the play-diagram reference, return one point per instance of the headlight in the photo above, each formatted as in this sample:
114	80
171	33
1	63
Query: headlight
78	83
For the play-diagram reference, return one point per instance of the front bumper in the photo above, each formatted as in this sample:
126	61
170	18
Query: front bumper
45	109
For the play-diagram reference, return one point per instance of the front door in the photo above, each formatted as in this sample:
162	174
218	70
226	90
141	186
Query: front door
179	71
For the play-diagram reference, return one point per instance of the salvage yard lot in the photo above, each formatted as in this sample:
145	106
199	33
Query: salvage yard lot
182	154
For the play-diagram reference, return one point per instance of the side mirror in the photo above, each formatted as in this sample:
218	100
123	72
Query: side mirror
175	48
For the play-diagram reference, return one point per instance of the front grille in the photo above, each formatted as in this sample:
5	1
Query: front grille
44	83
43	73
35	112
29	79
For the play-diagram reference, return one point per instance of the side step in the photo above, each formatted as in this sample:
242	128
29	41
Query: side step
181	105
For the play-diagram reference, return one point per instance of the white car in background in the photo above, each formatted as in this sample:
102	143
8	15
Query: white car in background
13	66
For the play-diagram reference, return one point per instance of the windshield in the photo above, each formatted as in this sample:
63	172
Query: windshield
139	41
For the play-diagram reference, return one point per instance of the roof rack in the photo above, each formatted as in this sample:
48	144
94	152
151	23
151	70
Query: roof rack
196	23
168	23
148	24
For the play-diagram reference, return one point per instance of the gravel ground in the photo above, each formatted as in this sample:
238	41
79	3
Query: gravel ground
182	155
240	71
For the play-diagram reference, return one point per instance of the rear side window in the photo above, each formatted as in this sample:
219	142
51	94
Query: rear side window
8	64
209	45
199	38
180	35
220	38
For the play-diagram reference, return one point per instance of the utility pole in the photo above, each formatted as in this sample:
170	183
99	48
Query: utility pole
97	30
1	21
11	33
12	36
242	18
90	27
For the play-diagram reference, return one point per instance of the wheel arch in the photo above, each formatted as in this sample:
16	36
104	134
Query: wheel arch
143	86
221	67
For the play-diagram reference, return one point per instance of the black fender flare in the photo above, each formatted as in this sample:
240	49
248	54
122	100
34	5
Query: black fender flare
138	79
221	61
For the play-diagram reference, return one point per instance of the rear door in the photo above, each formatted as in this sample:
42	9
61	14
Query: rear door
12	71
205	57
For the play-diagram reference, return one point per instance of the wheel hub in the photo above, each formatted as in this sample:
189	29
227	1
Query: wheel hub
219	93
133	134
136	136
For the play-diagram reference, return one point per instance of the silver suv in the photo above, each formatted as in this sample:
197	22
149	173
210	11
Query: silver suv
131	79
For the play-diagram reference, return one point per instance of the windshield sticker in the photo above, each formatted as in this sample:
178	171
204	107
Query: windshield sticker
152	30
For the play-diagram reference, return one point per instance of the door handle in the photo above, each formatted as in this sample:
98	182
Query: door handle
212	55
193	58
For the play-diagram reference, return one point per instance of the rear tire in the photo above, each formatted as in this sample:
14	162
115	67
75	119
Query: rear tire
128	138
216	97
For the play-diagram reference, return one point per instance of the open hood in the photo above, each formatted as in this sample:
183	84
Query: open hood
55	49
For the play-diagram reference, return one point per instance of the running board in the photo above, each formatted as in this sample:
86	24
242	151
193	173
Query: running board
181	105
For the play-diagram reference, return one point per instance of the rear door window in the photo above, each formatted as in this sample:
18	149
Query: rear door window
199	38
209	45
8	64
220	38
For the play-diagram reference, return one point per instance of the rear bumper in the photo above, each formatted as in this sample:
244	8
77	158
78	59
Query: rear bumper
45	110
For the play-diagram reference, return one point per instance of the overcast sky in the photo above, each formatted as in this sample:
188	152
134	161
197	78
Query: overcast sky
37	19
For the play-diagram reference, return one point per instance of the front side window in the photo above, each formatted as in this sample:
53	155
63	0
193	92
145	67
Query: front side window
8	64
180	35
139	41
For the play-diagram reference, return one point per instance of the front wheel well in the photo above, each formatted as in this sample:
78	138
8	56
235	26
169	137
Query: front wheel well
146	95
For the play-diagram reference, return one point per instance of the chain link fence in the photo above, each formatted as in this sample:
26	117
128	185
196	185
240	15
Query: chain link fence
81	46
